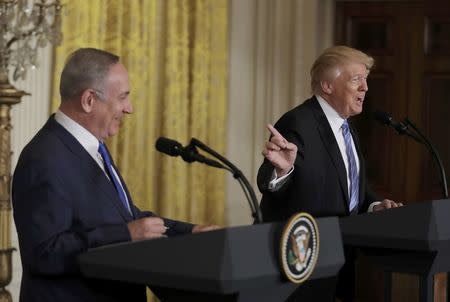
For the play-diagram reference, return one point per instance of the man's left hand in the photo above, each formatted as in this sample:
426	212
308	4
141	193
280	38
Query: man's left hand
205	228
387	204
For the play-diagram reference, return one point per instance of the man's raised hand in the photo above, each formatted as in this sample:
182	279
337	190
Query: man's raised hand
279	152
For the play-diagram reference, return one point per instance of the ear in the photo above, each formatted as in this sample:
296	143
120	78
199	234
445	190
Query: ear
87	100
327	87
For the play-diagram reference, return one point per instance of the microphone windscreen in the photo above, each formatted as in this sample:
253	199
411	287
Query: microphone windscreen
383	117
168	146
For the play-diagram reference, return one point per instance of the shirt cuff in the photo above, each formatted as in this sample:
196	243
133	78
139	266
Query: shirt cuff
276	183
375	203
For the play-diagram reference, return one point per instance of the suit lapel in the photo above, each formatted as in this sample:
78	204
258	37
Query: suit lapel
90	167
332	148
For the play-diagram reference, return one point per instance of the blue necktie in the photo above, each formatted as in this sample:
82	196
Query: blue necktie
112	176
352	168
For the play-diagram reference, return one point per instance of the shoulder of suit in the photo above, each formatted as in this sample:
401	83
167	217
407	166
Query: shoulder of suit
45	143
302	113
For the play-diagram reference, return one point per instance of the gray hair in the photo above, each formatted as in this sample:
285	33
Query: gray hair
85	68
326	66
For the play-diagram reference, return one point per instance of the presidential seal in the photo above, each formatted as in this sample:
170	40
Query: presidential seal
299	247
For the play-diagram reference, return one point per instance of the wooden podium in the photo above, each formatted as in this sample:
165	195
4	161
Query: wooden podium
413	239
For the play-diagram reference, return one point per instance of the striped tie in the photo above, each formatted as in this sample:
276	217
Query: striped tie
352	168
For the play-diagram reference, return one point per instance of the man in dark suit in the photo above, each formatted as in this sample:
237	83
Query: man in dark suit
68	195
313	161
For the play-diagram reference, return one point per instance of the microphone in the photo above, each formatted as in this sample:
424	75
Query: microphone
169	146
400	127
189	153
386	119
239	176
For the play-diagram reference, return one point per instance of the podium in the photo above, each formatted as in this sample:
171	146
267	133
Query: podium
231	264
412	239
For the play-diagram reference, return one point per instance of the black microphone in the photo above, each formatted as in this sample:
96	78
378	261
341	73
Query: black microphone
239	176
189	153
400	127
386	119
168	146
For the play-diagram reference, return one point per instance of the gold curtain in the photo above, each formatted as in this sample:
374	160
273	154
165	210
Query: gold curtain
176	55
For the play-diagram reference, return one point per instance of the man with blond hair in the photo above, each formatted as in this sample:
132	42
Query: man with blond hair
313	162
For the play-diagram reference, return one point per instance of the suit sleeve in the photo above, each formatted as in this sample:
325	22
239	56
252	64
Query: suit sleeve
175	227
287	128
49	234
271	202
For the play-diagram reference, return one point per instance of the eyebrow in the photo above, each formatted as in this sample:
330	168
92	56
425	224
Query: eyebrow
365	74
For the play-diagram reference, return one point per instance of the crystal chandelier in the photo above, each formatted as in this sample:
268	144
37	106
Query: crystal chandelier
25	26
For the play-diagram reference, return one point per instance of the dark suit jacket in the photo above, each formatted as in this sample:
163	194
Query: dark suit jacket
64	204
318	184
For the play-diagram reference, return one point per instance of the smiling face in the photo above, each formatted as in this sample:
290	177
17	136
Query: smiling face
346	92
111	103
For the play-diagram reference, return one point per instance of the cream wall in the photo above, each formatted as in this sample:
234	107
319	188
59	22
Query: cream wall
272	46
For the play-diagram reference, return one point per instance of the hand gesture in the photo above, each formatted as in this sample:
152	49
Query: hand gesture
146	228
279	152
387	204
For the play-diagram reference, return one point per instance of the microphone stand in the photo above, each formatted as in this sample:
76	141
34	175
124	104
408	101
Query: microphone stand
402	128
437	159
435	155
239	176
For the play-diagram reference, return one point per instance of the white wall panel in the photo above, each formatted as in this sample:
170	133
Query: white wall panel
26	118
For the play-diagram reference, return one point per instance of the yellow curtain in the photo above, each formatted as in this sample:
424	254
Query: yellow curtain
176	55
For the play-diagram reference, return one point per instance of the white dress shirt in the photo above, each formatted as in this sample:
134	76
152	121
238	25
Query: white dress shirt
335	121
89	142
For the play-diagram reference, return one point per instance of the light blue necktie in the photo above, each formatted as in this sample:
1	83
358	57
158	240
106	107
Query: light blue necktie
112	176
352	168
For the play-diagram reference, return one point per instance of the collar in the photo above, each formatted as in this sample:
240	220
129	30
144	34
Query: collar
334	119
81	134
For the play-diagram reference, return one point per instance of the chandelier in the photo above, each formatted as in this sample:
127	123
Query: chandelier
25	26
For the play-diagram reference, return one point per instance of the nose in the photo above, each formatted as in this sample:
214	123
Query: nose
128	107
363	85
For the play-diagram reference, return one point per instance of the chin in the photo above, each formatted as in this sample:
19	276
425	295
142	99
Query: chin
112	132
356	111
